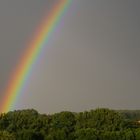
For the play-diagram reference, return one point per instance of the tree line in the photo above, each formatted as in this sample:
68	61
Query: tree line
98	124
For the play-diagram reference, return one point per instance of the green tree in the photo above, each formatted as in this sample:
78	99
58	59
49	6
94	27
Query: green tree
86	134
4	135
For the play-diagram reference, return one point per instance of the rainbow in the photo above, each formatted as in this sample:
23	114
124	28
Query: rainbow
31	54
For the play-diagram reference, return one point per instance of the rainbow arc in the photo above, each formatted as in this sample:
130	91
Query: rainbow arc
31	54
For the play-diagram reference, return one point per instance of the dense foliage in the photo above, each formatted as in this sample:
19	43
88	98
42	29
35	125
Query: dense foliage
99	124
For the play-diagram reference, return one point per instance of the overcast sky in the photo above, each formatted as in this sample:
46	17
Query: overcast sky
92	59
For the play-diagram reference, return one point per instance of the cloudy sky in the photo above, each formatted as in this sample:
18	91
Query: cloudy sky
92	59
